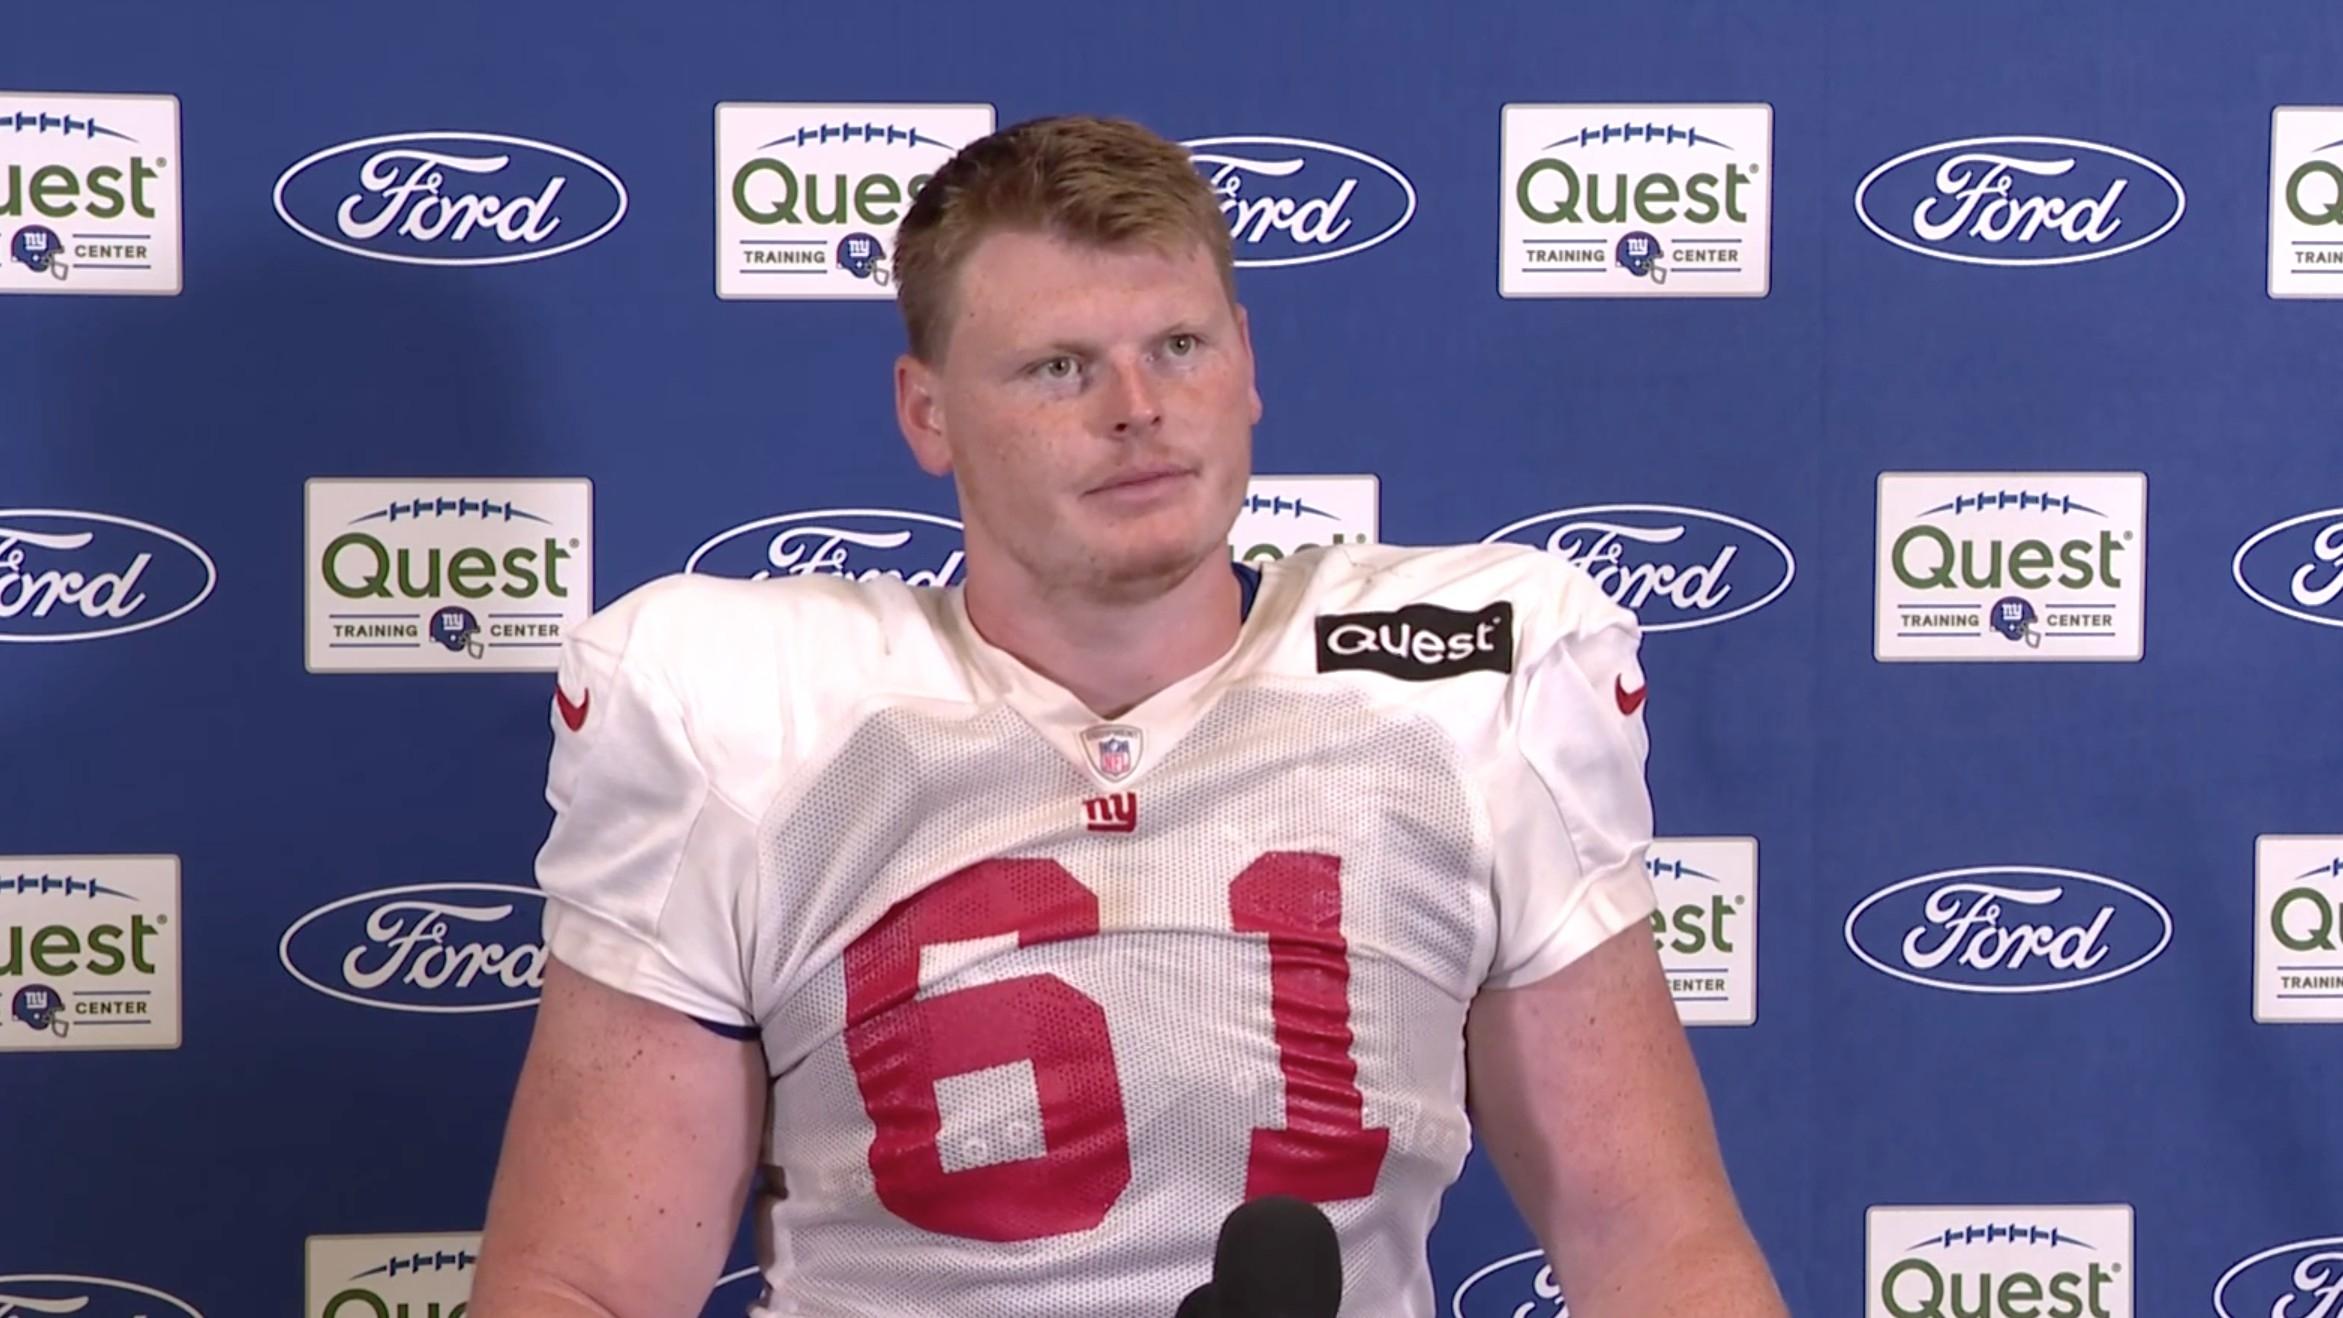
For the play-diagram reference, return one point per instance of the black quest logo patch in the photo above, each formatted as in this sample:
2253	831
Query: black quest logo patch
1418	643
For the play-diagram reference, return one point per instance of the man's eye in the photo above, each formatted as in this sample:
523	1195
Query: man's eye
1181	345
1056	368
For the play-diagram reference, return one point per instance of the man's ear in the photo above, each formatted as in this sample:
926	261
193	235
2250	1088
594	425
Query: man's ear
1252	378
920	414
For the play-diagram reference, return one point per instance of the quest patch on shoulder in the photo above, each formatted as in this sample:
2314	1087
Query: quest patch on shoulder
1419	643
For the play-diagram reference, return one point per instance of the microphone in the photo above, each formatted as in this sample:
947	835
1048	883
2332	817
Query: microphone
1277	1257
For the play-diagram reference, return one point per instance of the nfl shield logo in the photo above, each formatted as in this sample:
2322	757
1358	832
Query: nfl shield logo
1114	750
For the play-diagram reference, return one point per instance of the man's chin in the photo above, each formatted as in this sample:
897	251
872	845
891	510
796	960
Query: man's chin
1130	574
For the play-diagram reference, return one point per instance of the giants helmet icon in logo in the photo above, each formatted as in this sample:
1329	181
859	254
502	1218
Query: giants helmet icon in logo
808	197
2010	566
89	193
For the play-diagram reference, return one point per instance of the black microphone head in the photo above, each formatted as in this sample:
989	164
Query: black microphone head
1202	1302
1278	1257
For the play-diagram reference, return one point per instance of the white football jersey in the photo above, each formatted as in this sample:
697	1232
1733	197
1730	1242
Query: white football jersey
1042	995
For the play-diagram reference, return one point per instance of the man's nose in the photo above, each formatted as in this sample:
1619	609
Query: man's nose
1133	399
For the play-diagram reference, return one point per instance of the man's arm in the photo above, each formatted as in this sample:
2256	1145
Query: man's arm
1584	1092
627	1157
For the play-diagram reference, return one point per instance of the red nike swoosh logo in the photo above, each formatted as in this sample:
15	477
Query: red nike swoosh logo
1629	701
573	714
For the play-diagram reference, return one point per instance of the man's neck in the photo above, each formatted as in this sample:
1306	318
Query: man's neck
1110	656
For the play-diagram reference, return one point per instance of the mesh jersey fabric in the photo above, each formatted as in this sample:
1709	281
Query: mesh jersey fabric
1023	1059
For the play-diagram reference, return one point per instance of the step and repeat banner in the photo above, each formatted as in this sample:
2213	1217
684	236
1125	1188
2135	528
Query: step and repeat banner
352	358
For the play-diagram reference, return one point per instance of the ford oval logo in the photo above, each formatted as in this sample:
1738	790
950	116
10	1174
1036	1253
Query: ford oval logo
2271	1282
450	199
920	549
1674	568
2020	201
85	1297
1517	1286
2008	929
2296	567
1292	201
79	576
429	947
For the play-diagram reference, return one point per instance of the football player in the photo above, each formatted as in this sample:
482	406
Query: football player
1018	931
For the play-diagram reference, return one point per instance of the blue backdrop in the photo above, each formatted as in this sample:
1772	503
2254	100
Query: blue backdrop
220	1170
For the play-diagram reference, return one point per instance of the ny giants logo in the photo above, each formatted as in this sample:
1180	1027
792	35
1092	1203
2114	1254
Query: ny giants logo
1117	812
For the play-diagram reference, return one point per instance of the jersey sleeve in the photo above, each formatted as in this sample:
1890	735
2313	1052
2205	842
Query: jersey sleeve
647	872
1569	811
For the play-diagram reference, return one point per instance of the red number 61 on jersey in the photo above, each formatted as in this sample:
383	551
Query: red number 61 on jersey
902	1044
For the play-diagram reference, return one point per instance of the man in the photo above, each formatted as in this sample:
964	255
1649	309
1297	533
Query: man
1054	916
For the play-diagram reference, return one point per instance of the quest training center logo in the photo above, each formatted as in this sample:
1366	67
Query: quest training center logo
2306	201
2010	566
1998	1262
42	1293
1675	568
90	203
1705	925
2020	201
377	1276
808	196
446	576
2298	929
2295	567
431	948
450	199
2299	1279
1636	201
67	575
2008	929
90	957
1283	514
1293	201
428	1275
